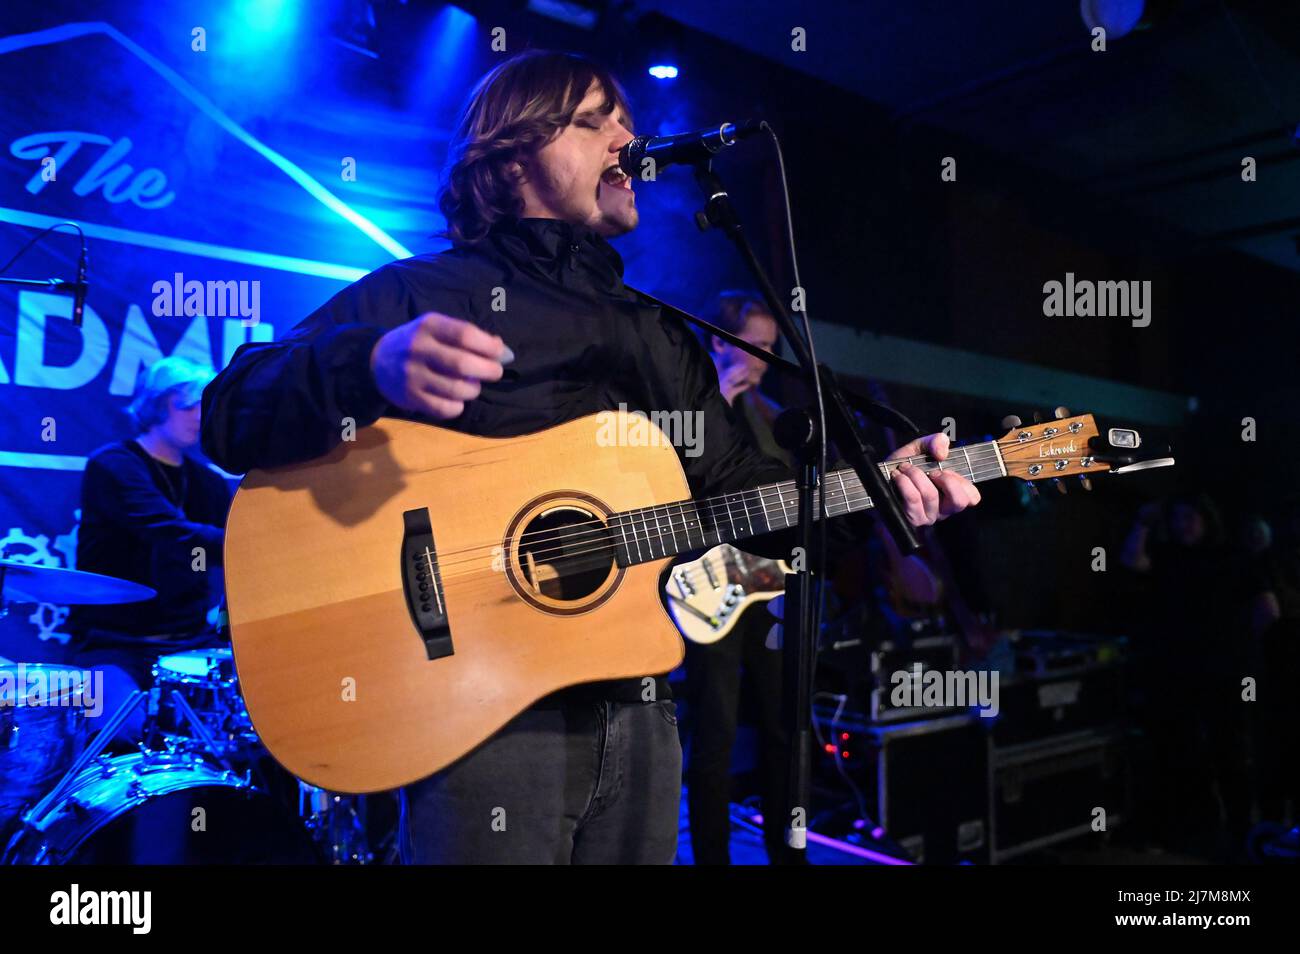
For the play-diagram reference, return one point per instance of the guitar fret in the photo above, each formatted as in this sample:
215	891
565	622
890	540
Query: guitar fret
626	548
663	545
766	520
686	525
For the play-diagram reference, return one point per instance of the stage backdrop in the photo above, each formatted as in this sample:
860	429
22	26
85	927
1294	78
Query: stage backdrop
275	160
172	191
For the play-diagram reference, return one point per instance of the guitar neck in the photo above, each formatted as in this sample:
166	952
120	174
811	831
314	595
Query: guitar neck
665	530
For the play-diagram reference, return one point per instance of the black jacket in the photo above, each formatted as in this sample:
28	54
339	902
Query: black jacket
583	342
141	520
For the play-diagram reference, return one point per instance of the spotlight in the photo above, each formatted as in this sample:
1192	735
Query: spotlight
583	15
1117	17
663	71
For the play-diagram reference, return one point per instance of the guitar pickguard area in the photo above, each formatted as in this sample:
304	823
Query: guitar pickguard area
560	553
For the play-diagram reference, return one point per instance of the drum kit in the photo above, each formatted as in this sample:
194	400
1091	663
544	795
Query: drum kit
198	786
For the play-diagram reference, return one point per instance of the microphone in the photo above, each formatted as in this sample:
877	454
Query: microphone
79	292
690	147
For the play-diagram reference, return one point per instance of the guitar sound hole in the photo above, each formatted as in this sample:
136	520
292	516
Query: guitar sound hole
566	553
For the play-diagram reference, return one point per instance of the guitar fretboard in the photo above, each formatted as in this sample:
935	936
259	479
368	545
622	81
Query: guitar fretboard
664	530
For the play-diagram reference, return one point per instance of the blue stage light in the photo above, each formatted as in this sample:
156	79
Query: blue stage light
663	71
267	16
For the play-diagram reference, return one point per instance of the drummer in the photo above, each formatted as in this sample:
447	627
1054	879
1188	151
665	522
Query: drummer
153	514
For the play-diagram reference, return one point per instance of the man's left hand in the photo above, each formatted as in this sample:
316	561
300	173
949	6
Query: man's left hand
929	497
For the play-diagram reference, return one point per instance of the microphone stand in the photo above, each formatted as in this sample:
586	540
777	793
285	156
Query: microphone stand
801	622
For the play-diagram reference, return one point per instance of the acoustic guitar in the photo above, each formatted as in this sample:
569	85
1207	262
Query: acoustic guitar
398	600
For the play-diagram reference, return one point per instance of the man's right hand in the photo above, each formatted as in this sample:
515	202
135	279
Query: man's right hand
433	364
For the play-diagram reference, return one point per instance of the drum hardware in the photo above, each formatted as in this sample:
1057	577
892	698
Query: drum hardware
91	751
337	823
195	702
197	739
114	810
206	741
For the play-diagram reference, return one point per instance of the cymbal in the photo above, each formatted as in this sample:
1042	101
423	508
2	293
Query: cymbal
30	583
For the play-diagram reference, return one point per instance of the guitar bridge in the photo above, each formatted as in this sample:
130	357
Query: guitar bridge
423	584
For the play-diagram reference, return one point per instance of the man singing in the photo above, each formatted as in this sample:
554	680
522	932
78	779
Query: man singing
523	324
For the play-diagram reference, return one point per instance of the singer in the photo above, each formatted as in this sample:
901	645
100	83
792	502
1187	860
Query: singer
533	193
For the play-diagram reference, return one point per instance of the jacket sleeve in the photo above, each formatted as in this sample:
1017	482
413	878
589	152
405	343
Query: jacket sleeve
284	402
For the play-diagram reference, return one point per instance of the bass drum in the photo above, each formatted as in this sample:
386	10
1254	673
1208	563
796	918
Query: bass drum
153	808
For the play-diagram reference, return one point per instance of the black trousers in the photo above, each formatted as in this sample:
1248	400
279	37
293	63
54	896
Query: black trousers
563	783
715	673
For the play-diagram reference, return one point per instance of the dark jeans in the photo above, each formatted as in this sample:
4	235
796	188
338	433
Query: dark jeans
563	783
713	674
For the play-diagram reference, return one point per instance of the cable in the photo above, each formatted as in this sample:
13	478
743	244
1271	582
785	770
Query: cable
40	235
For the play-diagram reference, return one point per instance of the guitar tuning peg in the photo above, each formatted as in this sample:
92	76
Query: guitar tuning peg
1061	412
1059	484
1032	488
1084	482
1038	418
1010	421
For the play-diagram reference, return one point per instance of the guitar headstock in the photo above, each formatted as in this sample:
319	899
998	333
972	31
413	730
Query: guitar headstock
1060	448
1071	445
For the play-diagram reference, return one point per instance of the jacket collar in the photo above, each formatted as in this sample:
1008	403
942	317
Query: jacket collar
549	245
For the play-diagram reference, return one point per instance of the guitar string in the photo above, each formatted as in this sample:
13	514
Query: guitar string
855	496
925	465
756	498
690	572
765	492
576	556
850	503
600	527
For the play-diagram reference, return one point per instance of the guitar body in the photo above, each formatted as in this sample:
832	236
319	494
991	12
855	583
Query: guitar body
708	596
338	678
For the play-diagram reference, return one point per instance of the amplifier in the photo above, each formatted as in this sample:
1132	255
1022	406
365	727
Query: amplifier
1060	701
1047	791
925	782
864	673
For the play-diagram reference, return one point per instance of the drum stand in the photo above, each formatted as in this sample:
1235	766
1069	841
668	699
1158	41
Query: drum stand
32	818
337	823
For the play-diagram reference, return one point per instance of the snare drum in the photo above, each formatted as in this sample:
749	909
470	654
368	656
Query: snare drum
205	681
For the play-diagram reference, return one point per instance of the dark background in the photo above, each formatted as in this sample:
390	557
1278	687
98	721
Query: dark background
1115	165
